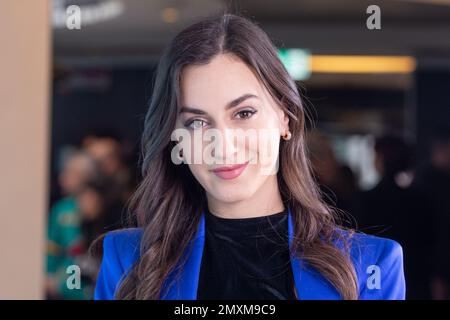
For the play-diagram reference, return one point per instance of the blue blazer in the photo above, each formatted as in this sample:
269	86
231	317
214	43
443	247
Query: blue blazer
378	263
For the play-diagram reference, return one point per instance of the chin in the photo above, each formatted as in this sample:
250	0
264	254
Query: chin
230	194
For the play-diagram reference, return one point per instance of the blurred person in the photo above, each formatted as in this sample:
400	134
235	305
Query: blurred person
77	168
394	210
106	148
65	236
213	231
93	207
433	181
336	181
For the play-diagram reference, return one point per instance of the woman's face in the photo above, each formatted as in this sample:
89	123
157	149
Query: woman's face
225	97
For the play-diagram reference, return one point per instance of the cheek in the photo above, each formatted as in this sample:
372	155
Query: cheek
263	148
269	142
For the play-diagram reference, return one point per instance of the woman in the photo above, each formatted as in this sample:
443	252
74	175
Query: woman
213	231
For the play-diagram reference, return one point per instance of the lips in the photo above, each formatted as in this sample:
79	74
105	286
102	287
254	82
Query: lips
230	172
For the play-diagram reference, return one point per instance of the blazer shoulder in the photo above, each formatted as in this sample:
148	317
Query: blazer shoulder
121	249
126	241
379	267
125	244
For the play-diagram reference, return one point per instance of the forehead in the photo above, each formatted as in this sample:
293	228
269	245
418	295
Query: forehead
223	79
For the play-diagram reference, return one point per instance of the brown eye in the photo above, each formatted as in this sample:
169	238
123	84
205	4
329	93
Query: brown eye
245	114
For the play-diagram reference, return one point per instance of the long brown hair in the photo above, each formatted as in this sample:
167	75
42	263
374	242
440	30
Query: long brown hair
169	201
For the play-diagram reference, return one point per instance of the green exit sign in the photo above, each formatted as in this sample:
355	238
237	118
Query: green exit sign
297	62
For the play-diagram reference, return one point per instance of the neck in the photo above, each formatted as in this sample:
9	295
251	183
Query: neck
266	201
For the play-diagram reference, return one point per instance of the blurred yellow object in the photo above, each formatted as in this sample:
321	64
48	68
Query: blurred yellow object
362	64
170	15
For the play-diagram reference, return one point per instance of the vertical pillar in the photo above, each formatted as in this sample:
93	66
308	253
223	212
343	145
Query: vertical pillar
24	128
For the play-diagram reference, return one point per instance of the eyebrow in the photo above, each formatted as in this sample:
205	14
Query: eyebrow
229	105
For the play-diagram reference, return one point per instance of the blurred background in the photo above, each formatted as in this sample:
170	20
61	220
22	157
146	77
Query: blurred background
375	82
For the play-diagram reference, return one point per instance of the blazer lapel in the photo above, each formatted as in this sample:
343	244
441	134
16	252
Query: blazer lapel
185	287
310	284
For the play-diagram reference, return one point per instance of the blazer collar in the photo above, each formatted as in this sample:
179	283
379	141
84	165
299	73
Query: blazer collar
310	284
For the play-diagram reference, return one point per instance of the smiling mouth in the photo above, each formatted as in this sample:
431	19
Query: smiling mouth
230	172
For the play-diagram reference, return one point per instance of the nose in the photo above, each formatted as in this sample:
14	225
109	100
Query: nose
226	149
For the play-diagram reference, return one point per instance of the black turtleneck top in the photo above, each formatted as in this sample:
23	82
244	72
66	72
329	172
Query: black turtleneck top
246	259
